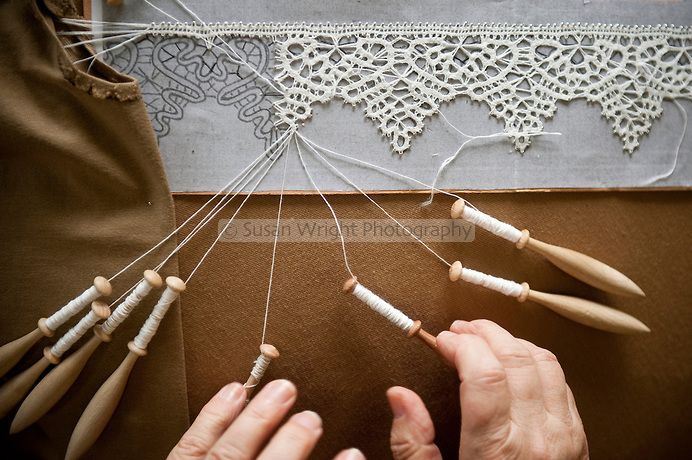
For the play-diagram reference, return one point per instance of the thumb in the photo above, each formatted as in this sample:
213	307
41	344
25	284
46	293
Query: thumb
413	432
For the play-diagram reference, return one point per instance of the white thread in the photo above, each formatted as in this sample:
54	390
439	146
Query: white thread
151	325
74	334
218	207
471	138
223	231
276	242
232	183
336	220
670	172
497	227
123	310
349	181
260	367
378	168
75	305
506	287
384	308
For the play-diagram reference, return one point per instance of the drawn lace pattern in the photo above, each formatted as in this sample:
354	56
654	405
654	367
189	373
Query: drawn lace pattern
175	71
401	73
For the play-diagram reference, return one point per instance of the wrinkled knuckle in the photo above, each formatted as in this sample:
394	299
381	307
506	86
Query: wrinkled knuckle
260	418
493	376
214	414
191	445
228	452
297	434
515	357
482	323
403	449
543	355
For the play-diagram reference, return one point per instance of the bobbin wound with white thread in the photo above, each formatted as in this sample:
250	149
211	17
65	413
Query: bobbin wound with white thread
460	210
99	311
101	288
12	352
580	266
267	354
390	312
507	287
174	286
150	280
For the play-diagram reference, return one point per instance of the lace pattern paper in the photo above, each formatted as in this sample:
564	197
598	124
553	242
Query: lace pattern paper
401	73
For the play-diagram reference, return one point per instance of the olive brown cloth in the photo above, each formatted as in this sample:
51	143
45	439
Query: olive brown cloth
82	192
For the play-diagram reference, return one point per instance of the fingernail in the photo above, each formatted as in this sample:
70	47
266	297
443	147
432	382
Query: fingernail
308	419
231	392
458	323
277	392
353	454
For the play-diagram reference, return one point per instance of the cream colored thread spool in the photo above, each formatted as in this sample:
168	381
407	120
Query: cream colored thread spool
12	352
580	266
267	354
391	313
150	280
58	381
582	311
102	406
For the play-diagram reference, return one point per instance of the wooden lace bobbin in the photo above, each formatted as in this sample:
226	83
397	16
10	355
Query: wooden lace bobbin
12	352
59	380
16	388
56	383
580	266
267	354
21	384
412	328
102	406
582	311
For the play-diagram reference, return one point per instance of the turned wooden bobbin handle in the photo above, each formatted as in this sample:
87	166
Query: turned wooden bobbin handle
102	406
586	312
426	337
582	267
270	353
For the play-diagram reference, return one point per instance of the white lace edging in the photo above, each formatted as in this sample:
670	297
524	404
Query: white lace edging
402	73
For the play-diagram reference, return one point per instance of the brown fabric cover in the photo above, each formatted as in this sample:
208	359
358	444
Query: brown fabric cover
632	391
82	192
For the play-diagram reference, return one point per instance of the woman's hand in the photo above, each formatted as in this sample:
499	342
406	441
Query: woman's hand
227	430
515	402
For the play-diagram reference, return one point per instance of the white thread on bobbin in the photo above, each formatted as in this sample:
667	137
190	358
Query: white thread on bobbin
143	288
267	354
381	306
99	311
506	287
174	287
260	367
101	287
491	224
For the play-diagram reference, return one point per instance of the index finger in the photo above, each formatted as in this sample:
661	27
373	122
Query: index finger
484	393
